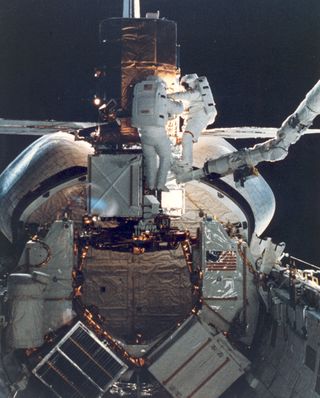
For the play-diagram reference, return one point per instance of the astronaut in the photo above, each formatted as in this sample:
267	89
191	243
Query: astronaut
199	112
151	109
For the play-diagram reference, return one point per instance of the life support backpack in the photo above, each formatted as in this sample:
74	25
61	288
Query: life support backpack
149	105
207	98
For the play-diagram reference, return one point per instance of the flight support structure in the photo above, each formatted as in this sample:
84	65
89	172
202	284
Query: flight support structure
71	287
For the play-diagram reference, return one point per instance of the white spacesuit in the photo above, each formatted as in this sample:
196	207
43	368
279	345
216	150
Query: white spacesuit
199	111
151	109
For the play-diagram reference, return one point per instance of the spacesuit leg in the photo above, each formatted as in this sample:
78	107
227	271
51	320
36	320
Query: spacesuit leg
187	151
163	149
150	164
195	124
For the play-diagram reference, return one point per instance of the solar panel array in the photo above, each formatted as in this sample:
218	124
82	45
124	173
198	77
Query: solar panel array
80	366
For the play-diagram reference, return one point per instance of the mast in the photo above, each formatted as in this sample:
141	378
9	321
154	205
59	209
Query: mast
131	9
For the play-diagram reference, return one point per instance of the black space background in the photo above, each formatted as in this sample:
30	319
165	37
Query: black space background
260	56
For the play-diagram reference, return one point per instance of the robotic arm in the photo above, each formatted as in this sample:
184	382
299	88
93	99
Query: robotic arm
272	150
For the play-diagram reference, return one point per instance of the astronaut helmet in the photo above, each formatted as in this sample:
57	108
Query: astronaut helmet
189	81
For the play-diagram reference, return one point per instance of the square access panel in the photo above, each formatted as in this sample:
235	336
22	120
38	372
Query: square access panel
80	366
115	188
195	363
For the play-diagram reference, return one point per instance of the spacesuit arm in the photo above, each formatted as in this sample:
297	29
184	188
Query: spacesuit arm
191	95
174	107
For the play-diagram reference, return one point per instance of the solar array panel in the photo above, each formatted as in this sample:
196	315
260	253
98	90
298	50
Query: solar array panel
80	366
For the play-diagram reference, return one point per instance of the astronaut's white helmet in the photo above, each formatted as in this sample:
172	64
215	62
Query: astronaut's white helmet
189	80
